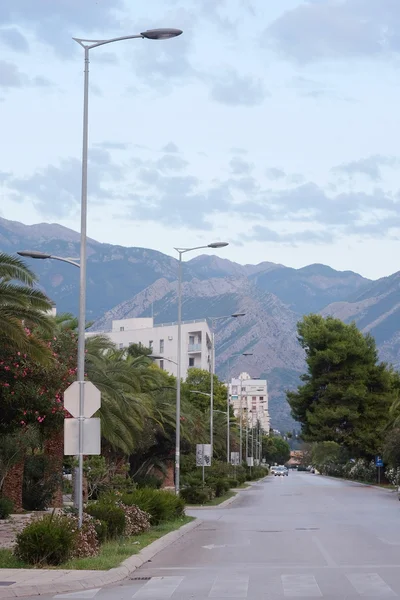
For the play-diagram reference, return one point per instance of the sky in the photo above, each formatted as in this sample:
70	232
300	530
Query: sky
272	125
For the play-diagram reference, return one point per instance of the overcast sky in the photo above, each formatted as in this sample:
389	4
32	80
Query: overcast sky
273	125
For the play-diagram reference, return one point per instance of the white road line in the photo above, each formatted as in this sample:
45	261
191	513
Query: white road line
84	594
297	586
370	584
159	588
230	587
329	560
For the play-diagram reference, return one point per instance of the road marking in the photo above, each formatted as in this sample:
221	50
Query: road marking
230	587
81	594
297	586
370	584
329	560
161	588
213	546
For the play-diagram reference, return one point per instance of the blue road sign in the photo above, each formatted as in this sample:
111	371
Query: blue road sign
378	461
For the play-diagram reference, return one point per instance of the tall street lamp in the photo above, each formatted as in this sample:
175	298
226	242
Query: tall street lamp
43	255
182	251
87	45
213	322
228	407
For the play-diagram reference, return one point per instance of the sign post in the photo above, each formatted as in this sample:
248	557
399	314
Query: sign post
203	456
379	465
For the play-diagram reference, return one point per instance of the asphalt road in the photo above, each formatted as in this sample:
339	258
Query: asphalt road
302	536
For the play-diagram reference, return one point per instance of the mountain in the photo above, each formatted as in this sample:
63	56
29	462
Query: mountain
124	282
376	311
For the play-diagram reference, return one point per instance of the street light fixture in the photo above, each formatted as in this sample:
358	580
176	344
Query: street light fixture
87	45
43	255
181	252
162	358
213	321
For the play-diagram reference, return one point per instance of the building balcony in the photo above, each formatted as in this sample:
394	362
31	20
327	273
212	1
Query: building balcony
194	348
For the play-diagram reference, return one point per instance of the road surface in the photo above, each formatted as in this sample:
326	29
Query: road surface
301	536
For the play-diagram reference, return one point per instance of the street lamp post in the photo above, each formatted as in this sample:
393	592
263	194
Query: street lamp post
181	252
213	322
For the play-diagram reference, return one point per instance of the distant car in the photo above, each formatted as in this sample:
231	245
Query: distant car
281	471
273	469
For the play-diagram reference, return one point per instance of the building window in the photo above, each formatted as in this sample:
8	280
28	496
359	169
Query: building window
161	345
261	398
151	344
191	339
122	328
121	346
191	361
162	365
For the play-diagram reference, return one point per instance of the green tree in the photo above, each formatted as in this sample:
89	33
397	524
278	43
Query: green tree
275	449
136	350
200	380
23	309
346	394
325	453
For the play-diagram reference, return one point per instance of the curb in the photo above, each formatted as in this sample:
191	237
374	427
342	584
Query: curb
359	483
229	501
128	566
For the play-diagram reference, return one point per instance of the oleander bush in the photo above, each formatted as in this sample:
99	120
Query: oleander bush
48	541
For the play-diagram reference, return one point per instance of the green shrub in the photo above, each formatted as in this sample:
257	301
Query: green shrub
39	483
219	485
112	514
101	530
148	481
159	504
196	495
233	483
46	541
6	508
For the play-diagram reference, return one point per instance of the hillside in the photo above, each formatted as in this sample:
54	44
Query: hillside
125	282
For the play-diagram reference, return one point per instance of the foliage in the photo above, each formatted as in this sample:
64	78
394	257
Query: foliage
86	541
6	507
324	455
46	541
219	485
39	482
150	481
275	449
22	308
345	396
391	448
393	475
197	494
198	379
159	504
136	350
136	520
109	512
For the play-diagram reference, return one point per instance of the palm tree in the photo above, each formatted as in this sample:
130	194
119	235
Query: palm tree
22	308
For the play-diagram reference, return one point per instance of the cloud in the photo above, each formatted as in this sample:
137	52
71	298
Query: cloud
234	89
275	174
54	23
170	162
336	30
370	167
170	147
259	233
12	77
111	145
13	38
55	190
239	166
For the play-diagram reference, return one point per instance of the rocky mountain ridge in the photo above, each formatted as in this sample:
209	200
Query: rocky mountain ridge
126	282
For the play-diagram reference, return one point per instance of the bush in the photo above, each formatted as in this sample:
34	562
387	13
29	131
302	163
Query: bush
148	481
46	541
86	542
101	530
6	508
160	505
196	495
233	483
111	514
136	520
39	483
219	485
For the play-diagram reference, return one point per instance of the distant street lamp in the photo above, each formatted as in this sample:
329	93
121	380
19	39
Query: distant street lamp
182	251
240	409
43	255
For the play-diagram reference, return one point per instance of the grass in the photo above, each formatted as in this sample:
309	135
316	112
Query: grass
111	553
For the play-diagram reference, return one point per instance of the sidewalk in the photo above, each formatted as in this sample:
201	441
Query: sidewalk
17	583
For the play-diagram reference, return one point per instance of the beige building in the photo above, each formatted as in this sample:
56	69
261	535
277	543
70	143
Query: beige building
163	340
251	397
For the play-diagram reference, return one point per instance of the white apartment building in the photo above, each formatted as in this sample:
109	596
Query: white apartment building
250	396
163	341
